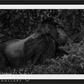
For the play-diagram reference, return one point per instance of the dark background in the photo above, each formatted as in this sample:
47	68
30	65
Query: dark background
41	1
46	82
21	23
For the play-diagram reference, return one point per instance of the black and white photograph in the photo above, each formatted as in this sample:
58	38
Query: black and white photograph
41	41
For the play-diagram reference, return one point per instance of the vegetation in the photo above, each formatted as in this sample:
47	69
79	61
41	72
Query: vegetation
21	23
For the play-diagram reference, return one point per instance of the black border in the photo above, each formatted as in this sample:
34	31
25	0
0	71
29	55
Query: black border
44	82
41	2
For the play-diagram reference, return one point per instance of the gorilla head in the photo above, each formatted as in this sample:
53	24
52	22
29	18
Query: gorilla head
49	26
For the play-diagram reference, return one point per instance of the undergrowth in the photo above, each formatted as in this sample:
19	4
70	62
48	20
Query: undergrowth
67	64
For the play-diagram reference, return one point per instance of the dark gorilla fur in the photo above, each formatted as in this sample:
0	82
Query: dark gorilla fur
43	45
41	48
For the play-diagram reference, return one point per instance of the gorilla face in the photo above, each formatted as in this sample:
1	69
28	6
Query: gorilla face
48	26
57	34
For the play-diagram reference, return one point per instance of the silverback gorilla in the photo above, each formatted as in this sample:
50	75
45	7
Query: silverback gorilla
42	44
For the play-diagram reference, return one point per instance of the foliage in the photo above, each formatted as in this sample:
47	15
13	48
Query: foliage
21	23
